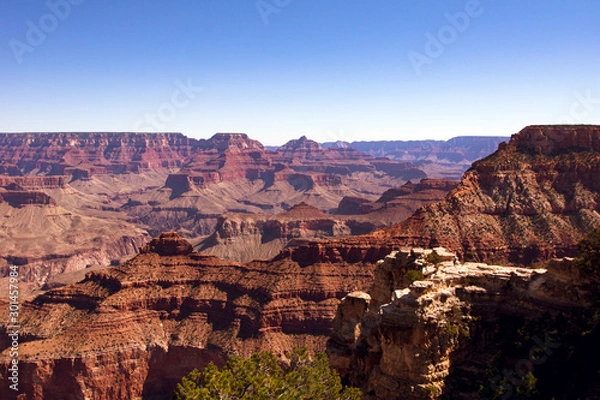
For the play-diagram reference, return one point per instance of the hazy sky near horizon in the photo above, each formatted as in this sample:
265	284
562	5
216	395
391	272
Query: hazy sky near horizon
278	69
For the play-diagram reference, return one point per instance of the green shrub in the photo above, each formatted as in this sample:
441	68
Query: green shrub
433	258
413	275
262	377
589	253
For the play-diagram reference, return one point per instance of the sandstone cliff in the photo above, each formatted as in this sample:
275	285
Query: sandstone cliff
439	336
83	154
531	200
132	331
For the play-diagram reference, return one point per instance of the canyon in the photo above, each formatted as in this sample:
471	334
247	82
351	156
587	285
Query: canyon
530	201
408	310
73	201
246	237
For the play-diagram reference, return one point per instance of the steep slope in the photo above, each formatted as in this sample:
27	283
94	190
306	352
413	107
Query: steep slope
55	229
83	154
134	330
531	200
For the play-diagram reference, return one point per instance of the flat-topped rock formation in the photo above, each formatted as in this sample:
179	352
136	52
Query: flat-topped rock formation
554	139
19	198
85	153
168	244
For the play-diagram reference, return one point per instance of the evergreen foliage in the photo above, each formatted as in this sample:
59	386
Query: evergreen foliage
262	377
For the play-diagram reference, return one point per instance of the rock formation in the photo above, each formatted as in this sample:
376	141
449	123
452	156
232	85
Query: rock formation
531	200
246	237
439	159
82	154
396	204
168	244
20	198
134	330
438	335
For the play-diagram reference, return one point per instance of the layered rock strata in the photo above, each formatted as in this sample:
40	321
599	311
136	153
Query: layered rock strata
82	154
437	335
531	200
134	330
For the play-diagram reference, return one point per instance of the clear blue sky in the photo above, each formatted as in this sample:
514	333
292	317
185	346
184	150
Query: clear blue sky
328	69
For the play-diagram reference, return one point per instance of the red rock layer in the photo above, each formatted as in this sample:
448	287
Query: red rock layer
82	154
33	182
302	162
533	199
19	198
134	330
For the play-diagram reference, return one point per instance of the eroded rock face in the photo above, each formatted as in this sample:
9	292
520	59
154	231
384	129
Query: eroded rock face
551	140
83	154
397	204
425	339
168	244
246	237
533	199
20	198
229	157
134	330
33	182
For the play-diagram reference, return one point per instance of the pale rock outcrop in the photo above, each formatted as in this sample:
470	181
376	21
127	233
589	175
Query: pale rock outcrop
405	340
